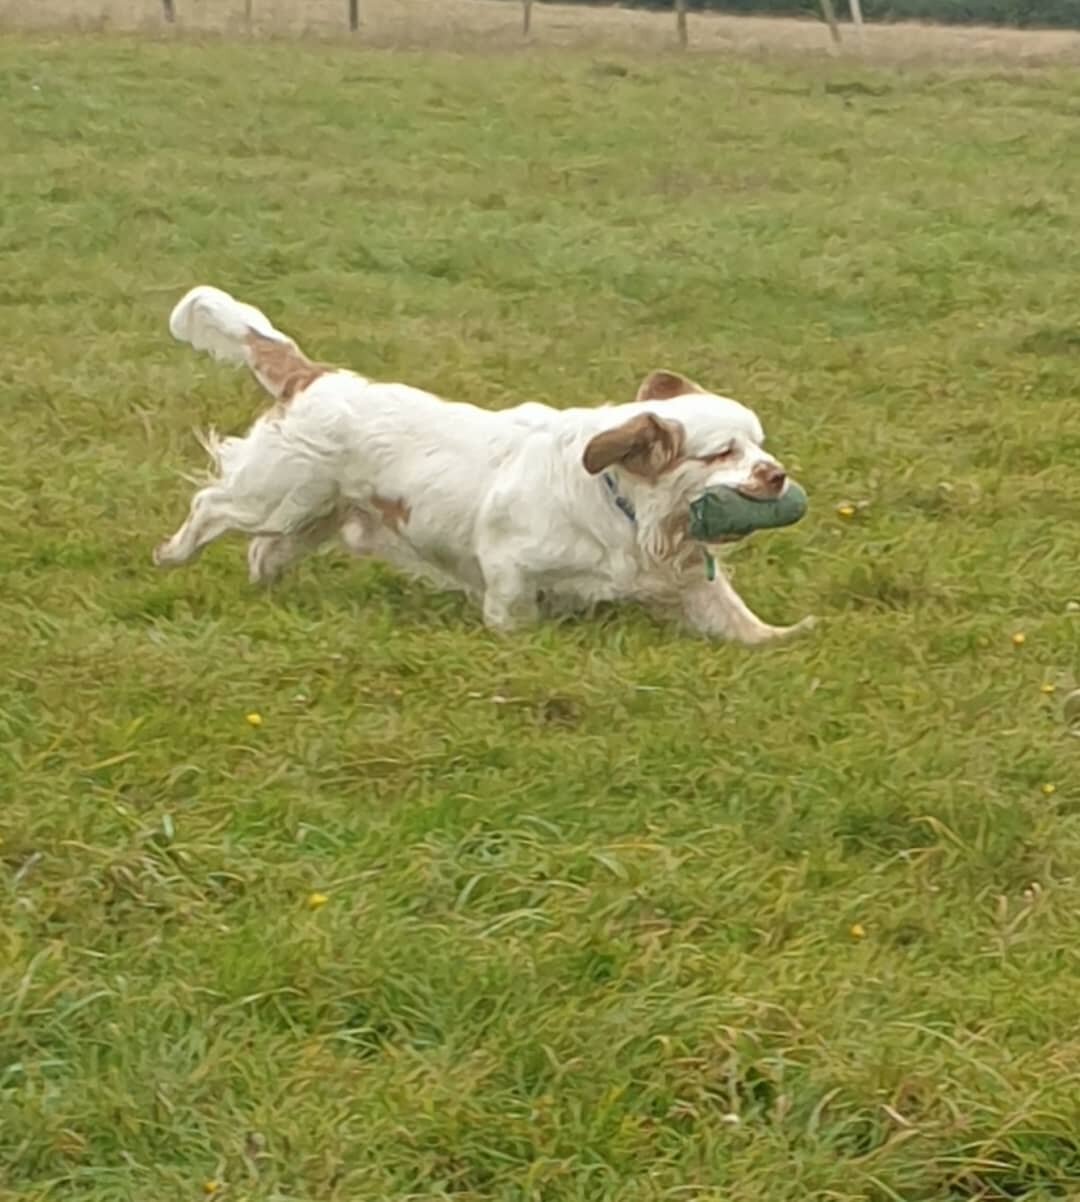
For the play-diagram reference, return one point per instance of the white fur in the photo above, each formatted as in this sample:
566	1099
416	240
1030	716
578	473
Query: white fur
498	504
211	320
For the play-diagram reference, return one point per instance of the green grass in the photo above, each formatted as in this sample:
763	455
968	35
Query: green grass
595	892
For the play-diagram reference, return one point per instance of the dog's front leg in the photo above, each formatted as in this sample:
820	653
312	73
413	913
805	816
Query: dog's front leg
510	599
715	609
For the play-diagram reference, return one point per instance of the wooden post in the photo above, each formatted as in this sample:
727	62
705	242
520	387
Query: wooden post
354	15
830	17
856	17
680	22
248	6
169	9
526	17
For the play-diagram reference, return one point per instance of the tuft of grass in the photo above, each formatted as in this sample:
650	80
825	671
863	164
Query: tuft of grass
596	912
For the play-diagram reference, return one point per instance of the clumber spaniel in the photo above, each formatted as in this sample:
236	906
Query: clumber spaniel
528	510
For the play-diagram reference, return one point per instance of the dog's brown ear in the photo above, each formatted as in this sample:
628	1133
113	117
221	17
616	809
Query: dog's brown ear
645	445
663	385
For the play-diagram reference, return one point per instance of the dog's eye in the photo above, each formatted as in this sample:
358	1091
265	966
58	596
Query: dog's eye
725	452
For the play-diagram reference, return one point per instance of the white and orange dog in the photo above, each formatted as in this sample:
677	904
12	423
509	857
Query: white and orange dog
527	509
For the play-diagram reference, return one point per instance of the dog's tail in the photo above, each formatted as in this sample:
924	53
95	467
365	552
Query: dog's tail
211	320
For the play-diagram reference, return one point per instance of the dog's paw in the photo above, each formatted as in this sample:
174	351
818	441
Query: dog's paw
268	557
783	633
764	636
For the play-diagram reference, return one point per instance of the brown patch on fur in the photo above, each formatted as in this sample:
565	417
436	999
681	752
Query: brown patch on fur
663	385
645	445
674	533
766	481
395	514
282	368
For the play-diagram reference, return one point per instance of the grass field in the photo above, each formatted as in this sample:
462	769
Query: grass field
596	912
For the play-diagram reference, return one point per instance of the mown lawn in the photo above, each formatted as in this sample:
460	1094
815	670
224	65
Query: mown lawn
597	912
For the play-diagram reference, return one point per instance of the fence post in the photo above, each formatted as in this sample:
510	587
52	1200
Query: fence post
830	17
526	17
354	15
169	9
680	22
248	6
856	17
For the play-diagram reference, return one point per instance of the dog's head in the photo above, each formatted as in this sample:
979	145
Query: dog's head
673	444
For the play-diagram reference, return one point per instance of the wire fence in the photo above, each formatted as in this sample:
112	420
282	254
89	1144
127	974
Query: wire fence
377	19
525	24
250	13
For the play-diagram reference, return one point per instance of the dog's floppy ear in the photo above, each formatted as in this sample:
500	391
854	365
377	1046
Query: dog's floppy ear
663	385
645	445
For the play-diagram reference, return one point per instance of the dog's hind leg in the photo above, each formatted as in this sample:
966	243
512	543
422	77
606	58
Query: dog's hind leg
214	512
271	555
217	510
266	489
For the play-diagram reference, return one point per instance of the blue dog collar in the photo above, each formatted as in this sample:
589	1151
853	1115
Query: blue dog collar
627	508
621	502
